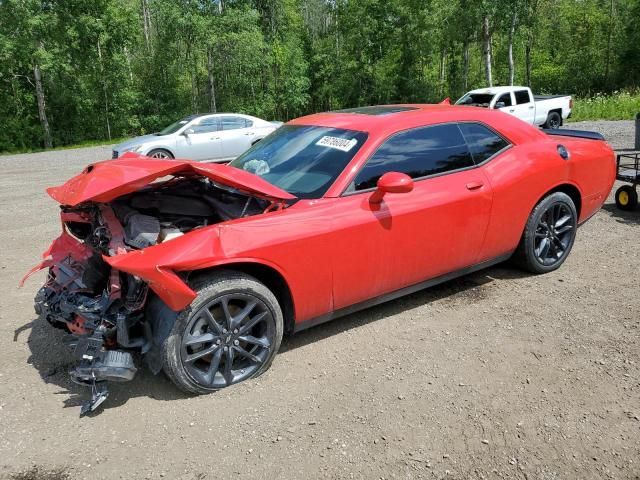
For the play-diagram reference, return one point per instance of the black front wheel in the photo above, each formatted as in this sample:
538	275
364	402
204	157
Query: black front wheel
549	234
231	332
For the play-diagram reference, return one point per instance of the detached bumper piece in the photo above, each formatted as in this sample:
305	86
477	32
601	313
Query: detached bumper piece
97	366
106	331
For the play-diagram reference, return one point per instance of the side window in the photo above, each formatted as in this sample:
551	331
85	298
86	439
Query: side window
248	123
522	96
233	123
418	153
506	99
483	142
206	125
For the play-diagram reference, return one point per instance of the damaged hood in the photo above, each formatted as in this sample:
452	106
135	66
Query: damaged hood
105	181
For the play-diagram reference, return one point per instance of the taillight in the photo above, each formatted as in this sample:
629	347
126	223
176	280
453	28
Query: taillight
571	103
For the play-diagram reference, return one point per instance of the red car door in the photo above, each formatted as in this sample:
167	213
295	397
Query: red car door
437	228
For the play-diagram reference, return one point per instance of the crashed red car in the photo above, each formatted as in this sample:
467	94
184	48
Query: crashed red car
203	267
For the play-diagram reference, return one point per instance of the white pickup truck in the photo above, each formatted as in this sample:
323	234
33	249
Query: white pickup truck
547	111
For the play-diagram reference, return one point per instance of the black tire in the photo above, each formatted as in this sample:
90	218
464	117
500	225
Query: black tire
554	121
626	198
160	153
183	361
548	235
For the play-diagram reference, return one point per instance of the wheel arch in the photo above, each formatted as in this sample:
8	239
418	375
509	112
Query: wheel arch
270	276
569	189
559	112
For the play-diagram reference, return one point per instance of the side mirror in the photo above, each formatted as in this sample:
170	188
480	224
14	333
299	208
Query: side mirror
499	105
391	182
188	131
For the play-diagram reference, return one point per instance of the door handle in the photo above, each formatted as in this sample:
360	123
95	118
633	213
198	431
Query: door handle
512	110
214	138
474	185
531	107
249	133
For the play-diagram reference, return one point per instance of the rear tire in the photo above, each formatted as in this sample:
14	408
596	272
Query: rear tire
626	198
548	235
554	120
160	153
231	332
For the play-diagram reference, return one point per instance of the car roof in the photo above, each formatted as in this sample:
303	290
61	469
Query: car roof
367	119
380	127
496	90
202	115
415	116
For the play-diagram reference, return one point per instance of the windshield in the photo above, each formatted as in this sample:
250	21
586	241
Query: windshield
174	127
476	100
302	160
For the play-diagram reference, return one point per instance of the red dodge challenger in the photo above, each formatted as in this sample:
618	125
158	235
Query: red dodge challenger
203	267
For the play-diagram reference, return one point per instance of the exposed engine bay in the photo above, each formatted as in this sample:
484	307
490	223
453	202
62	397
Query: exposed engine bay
104	308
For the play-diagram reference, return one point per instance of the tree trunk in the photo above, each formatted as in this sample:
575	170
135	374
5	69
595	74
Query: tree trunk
104	91
194	92
42	113
609	36
512	32
486	49
443	62
146	23
527	61
528	49
465	64
212	87
127	56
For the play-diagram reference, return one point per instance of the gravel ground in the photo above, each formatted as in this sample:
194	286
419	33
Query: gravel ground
495	375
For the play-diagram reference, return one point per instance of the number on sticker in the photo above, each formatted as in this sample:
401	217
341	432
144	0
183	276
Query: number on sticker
343	144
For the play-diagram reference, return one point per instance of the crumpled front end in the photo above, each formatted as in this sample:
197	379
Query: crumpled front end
101	307
128	253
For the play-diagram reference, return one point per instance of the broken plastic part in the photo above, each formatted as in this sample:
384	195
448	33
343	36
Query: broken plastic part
99	394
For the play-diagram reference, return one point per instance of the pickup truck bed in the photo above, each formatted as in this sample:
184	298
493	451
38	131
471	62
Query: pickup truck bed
547	97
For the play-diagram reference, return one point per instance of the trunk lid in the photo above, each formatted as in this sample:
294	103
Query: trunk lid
107	180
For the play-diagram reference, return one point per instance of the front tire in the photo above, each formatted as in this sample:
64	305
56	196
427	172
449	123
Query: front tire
549	234
231	332
160	153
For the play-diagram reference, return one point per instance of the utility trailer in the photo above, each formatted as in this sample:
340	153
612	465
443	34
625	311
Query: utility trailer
628	170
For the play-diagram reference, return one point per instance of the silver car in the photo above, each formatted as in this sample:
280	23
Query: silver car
213	137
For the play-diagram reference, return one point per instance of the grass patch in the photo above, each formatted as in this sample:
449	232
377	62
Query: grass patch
88	143
618	106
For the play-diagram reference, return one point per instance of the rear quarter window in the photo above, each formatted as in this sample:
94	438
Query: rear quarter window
483	142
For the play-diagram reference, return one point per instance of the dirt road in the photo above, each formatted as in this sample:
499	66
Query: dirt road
496	375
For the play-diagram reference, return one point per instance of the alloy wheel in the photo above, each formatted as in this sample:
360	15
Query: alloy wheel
160	154
554	234
227	340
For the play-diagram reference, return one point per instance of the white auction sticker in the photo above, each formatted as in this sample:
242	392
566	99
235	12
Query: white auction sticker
335	142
